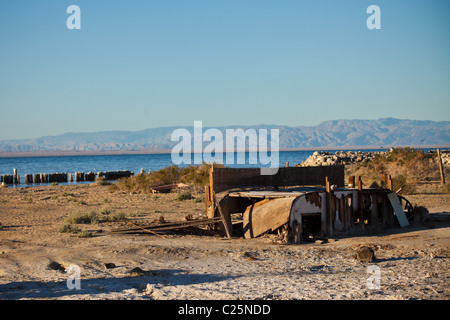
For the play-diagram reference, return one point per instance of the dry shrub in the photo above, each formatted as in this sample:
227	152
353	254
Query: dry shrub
196	176
83	217
406	166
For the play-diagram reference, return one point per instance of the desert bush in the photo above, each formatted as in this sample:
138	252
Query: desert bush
101	181
198	200
68	228
116	216
446	188
185	195
195	176
406	166
84	234
83	217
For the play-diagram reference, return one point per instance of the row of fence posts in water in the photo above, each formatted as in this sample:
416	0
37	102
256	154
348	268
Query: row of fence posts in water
63	177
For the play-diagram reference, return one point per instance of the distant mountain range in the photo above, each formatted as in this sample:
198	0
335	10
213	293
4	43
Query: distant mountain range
332	134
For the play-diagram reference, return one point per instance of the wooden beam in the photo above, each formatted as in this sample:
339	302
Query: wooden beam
230	178
374	210
351	181
398	210
226	221
441	169
390	185
383	179
329	222
360	204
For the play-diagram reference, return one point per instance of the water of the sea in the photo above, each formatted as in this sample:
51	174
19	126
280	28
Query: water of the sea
95	163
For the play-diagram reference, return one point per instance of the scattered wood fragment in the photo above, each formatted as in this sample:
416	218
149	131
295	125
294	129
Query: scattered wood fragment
168	187
154	227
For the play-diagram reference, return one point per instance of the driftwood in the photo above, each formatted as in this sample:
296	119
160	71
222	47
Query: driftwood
168	187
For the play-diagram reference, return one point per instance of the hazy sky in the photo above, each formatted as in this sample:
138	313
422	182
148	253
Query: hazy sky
140	64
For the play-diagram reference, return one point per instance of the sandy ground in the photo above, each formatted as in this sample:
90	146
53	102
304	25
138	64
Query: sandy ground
412	263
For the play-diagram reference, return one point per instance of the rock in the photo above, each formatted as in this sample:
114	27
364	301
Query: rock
109	265
431	274
136	272
365	255
321	158
56	266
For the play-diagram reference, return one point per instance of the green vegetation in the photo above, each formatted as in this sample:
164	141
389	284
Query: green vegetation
104	215
185	195
68	228
101	181
446	188
84	234
83	217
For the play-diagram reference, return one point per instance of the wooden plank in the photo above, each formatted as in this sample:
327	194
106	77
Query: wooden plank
383	179
329	211
266	194
226	221
349	212
222	179
351	181
168	226
441	169
168	187
207	199
398	210
266	215
374	210
360	204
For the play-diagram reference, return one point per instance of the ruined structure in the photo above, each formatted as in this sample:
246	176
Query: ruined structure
300	203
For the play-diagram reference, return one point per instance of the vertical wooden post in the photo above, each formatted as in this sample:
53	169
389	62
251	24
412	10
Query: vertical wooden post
383	180
28	178
349	212
207	199
329	222
287	164
351	181
390	185
441	169
15	176
212	207
360	203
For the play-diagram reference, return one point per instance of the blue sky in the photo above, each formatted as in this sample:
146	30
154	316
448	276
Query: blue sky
142	64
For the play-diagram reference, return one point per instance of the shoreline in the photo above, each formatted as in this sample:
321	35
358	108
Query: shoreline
62	153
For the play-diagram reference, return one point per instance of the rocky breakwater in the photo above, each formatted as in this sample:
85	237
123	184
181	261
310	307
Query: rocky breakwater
445	157
323	158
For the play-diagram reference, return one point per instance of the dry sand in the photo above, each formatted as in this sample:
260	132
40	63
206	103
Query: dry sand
413	262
